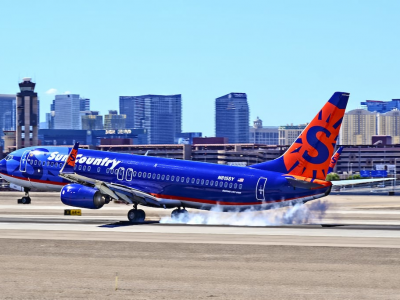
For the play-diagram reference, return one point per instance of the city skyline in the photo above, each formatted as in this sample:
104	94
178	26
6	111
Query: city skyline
281	54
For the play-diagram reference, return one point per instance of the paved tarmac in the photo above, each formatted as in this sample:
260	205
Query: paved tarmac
46	255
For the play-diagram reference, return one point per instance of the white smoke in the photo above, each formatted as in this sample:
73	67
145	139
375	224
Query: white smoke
310	213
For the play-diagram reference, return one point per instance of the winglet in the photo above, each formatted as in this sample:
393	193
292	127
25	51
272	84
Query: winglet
334	159
69	165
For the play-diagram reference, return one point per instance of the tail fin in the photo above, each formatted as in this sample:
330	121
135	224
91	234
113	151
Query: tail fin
309	156
334	159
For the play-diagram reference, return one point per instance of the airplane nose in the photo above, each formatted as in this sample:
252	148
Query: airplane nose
3	166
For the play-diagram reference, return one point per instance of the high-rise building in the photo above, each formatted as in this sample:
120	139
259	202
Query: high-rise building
27	115
84	104
381	106
266	135
389	125
232	118
7	114
67	112
358	127
160	115
114	121
91	120
127	107
289	133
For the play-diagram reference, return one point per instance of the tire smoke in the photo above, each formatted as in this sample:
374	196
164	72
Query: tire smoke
309	213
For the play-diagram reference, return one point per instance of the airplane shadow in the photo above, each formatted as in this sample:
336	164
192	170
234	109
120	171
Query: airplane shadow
127	223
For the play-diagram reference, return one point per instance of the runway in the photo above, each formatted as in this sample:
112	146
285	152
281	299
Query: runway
46	255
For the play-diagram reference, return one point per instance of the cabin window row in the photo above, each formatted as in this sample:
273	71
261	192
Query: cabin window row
130	174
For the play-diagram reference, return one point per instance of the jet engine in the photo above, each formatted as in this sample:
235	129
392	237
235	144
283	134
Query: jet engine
82	196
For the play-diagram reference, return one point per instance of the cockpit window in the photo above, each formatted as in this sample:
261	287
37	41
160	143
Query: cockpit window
9	157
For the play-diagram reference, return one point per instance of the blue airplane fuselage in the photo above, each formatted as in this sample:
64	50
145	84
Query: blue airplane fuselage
184	183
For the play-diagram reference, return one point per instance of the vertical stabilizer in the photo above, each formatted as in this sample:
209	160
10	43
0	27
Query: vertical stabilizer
310	155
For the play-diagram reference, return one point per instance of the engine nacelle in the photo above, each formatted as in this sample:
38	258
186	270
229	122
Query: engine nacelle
82	196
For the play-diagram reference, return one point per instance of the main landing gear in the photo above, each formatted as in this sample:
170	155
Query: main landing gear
26	199
136	215
180	214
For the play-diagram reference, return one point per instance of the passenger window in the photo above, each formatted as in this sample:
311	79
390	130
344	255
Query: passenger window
193	180
108	170
172	178
35	162
163	177
61	164
80	167
212	182
216	183
240	186
154	175
98	169
84	168
44	163
225	185
197	181
220	184
207	182
167	178
149	175
177	178
230	185
52	164
235	186
187	179
88	168
140	174
112	171
158	176
182	179
144	174
202	181
134	174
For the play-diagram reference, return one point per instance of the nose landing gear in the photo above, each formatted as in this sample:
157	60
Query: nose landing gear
26	199
136	215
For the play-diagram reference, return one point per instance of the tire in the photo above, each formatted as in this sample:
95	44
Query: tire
136	216
141	215
180	215
132	216
24	200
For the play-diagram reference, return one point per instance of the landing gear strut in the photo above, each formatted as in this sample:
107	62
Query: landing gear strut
26	199
136	215
180	214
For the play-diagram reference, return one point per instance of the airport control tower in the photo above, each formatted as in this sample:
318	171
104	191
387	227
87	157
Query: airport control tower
27	115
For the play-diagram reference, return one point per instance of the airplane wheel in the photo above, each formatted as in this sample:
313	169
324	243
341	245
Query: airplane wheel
141	215
136	215
25	200
180	214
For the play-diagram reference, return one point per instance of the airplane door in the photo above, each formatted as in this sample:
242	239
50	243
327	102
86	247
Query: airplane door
260	189
24	161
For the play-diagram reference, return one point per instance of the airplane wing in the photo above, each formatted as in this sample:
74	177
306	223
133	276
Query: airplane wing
115	191
358	181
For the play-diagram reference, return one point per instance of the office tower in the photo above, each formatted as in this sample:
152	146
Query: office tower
91	120
67	112
266	135
389	124
358	127
114	121
289	133
7	114
160	115
381	106
84	104
232	118
27	115
126	107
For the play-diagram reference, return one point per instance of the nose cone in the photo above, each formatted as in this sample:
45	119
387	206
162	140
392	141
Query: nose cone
3	166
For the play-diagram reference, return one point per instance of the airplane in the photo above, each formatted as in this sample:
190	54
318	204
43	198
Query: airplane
90	179
335	159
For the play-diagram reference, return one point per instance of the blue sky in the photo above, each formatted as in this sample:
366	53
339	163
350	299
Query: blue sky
288	56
